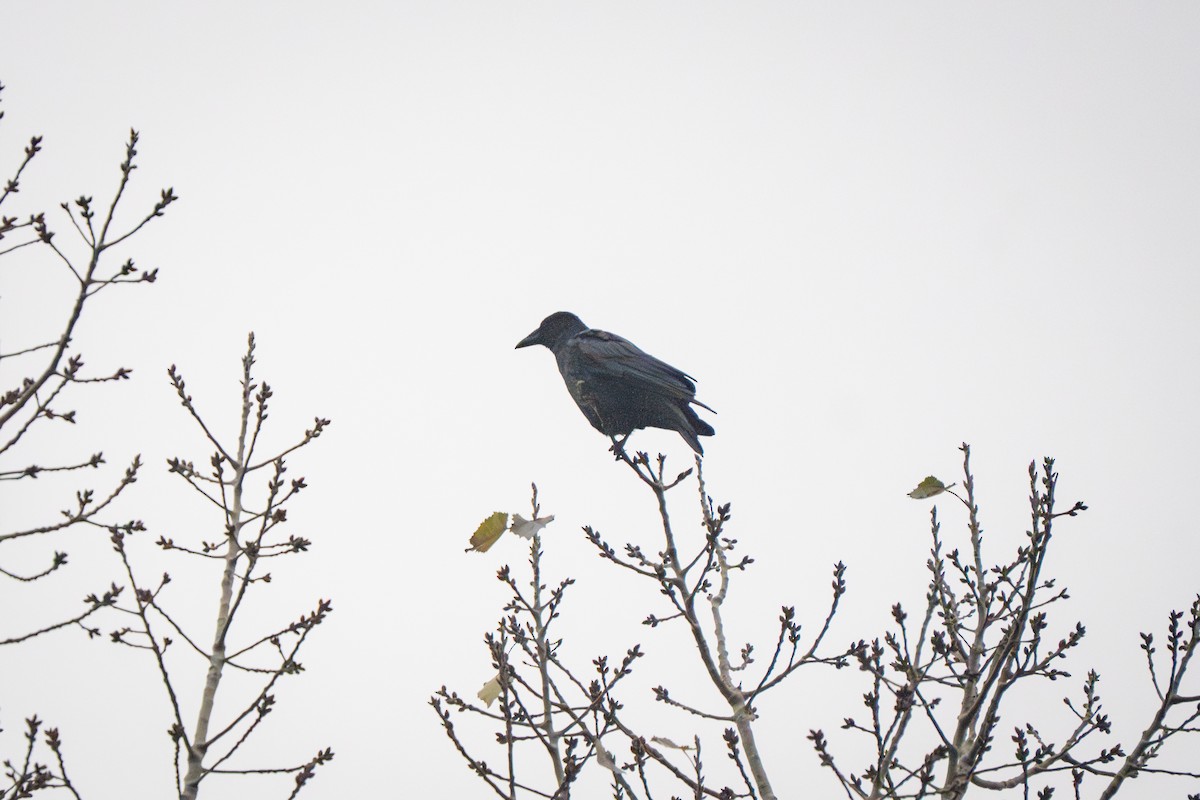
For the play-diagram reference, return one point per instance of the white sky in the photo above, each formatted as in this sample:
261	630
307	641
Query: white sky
871	231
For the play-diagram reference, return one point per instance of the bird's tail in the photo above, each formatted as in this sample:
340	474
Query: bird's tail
695	428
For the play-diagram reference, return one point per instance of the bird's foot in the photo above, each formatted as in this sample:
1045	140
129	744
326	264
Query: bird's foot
618	446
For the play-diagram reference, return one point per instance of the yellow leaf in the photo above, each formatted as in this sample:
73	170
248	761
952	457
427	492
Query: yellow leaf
488	532
490	690
930	487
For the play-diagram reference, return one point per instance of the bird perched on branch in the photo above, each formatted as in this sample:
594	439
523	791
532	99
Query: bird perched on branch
617	386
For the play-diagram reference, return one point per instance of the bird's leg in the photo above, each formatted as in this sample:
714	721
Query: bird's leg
618	446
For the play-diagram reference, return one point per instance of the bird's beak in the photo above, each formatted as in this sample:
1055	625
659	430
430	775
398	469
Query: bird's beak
533	338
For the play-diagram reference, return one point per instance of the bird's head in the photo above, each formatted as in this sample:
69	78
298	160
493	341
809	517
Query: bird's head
554	330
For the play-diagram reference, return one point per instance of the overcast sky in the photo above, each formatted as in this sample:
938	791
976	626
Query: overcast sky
870	231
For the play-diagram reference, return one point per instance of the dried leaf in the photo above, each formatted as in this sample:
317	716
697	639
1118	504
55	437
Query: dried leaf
490	690
488	532
930	487
664	742
526	528
605	758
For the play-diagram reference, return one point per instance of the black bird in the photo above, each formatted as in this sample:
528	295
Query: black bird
617	386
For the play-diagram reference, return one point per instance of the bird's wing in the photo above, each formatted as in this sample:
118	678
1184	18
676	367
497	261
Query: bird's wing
607	357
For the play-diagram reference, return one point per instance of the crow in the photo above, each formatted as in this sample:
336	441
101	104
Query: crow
618	387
